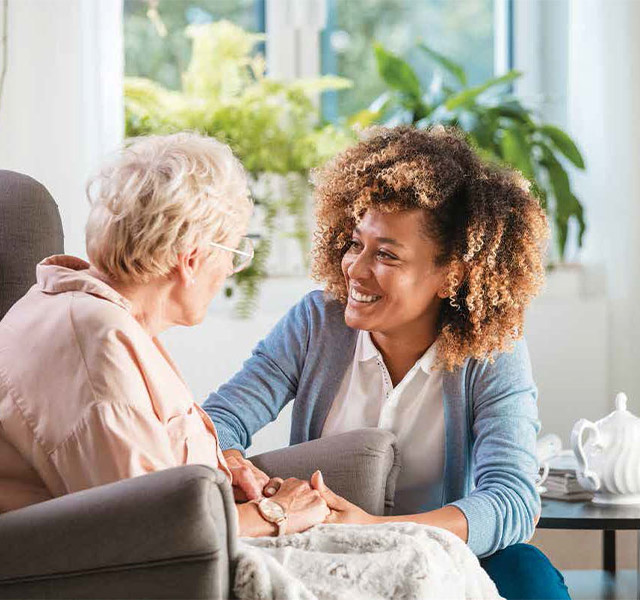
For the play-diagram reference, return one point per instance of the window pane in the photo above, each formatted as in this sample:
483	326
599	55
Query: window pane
460	29
149	53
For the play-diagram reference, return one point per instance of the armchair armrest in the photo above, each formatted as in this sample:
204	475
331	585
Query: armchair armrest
169	534
360	465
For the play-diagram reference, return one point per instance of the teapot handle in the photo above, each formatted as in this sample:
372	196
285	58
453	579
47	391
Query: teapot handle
589	479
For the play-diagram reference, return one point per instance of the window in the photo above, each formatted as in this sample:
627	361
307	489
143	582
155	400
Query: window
462	30
474	33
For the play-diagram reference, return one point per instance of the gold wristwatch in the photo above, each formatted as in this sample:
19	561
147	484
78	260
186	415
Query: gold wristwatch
274	513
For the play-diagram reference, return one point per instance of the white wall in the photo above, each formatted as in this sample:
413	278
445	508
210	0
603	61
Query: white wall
567	332
62	103
209	354
582	72
603	100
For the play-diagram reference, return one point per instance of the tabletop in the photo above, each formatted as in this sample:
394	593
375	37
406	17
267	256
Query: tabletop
557	514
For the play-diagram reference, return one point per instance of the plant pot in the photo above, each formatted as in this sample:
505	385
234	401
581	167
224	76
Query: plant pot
283	217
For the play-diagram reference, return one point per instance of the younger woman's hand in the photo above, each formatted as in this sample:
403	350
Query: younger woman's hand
304	506
342	511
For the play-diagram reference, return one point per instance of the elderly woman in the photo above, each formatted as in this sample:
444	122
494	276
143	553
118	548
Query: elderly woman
430	257
88	395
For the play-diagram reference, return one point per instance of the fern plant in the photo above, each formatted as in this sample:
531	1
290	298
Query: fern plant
272	127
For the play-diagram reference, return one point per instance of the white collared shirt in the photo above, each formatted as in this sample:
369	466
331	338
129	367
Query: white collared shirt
413	411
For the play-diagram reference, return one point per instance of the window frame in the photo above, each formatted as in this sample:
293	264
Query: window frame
298	41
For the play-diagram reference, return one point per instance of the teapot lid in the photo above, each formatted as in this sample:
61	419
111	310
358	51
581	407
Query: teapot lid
620	418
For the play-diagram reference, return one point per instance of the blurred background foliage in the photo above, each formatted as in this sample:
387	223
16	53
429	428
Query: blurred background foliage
157	48
273	127
199	64
502	129
460	28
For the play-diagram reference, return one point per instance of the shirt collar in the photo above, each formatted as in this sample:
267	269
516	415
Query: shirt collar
428	359
63	273
366	350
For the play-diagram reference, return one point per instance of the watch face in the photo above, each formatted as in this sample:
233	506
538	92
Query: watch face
272	510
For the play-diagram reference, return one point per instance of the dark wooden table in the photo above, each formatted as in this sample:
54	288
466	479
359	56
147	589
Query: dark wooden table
587	515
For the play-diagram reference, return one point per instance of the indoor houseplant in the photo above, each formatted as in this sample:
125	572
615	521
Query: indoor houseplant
499	125
272	126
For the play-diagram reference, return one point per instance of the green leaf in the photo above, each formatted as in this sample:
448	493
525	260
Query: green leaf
566	204
397	73
562	233
516	150
468	96
484	130
452	67
582	225
488	155
511	109
541	193
559	182
575	211
563	143
364	118
483	135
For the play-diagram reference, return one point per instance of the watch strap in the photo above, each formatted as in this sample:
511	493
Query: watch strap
282	526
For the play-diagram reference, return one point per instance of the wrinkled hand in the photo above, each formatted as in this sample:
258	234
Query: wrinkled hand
249	482
342	511
304	505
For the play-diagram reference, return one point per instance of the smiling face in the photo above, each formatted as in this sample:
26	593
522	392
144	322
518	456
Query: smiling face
393	283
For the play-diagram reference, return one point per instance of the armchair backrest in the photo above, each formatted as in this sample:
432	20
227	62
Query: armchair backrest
30	230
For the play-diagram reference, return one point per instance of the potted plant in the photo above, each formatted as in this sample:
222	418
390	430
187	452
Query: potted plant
497	123
272	126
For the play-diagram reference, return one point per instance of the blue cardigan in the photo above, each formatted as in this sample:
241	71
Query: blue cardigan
491	416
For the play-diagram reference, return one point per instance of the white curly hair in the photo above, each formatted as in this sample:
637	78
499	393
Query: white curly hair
162	196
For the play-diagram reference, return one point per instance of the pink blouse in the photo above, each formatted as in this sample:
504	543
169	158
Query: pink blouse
87	397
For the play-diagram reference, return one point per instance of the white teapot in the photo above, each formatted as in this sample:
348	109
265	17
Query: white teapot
609	460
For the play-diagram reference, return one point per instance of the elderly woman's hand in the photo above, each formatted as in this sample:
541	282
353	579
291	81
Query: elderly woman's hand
304	506
249	482
342	511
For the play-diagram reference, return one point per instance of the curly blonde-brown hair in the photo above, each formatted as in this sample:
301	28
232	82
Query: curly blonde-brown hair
482	217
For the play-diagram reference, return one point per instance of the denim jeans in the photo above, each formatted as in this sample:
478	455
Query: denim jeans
522	572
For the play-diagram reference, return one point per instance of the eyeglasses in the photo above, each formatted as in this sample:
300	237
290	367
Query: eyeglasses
242	255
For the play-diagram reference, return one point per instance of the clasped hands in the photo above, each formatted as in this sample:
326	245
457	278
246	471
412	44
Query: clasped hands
307	503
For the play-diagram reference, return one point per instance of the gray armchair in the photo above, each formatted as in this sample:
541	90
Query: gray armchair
30	230
170	534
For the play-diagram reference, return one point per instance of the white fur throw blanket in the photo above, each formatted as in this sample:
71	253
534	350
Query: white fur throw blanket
361	562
